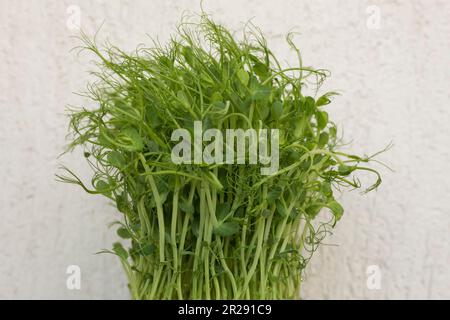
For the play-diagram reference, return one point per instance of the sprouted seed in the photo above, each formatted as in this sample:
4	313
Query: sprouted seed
219	231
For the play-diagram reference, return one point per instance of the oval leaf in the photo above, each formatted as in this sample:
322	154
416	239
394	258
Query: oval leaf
227	229
336	208
120	251
132	140
322	119
243	76
277	110
116	159
123	233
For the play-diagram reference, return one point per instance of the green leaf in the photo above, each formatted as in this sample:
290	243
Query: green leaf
243	76
227	229
186	206
281	209
323	139
325	99
322	101
333	132
152	118
326	189
132	140
102	186
336	208
261	93
123	233
216	97
306	164
274	194
263	112
120	251
313	210
223	209
147	250
122	203
309	105
277	110
322	119
261	70
116	159
345	170
103	140
266	213
188	55
239	212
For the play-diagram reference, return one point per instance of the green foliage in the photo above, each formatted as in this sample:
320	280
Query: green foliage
212	231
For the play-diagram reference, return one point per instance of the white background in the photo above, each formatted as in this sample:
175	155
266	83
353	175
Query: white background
395	85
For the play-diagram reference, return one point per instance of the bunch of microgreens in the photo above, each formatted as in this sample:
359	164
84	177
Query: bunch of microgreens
216	231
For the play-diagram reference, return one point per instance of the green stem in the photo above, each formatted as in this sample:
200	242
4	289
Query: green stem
174	239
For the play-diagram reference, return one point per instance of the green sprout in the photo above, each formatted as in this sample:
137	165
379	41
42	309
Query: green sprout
218	231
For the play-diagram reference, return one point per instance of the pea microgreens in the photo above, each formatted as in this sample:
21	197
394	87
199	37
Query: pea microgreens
216	231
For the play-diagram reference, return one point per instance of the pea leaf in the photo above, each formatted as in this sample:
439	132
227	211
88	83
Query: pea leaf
223	209
313	210
147	250
116	159
266	213
322	119
261	70
102	186
323	139
309	105
336	208
325	99
322	101
345	170
274	194
123	233
122	203
188	55
281	209
132	140
243	76
227	229
120	251
261	93
216	97
186	206
263	112
277	110
326	189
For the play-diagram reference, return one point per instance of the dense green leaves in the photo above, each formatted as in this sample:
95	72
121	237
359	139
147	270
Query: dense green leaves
200	231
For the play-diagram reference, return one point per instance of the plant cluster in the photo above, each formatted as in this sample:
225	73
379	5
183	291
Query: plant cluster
215	231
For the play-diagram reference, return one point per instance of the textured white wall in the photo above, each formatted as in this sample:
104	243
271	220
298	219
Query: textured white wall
395	84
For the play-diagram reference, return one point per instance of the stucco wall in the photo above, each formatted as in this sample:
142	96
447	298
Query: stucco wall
391	61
